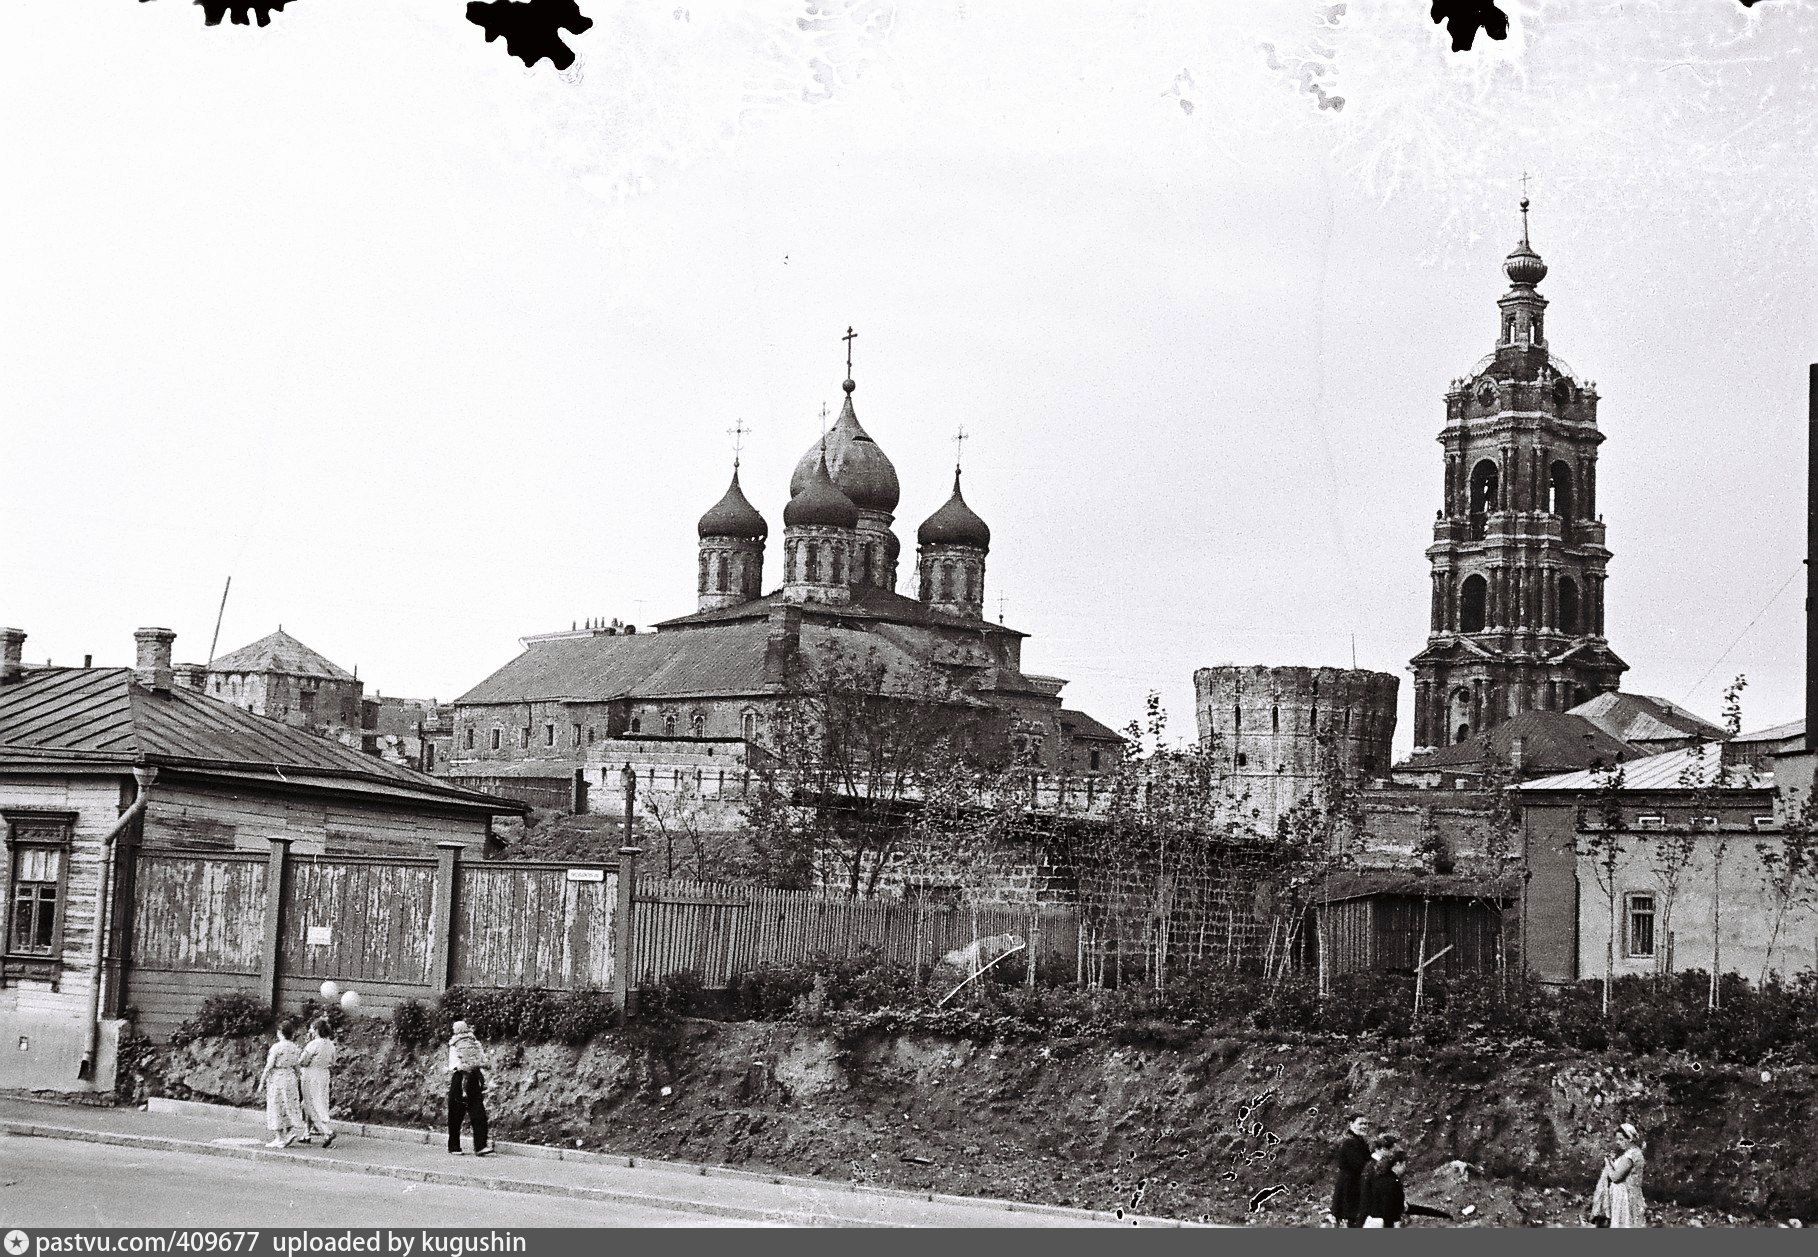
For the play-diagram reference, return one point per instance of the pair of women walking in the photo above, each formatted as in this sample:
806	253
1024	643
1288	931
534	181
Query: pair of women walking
295	1083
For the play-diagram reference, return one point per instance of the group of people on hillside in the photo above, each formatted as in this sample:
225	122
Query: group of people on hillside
296	1077
1368	1190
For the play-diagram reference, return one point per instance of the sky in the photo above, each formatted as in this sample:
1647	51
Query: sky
430	351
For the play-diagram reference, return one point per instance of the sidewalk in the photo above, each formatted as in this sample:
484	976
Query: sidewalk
421	1156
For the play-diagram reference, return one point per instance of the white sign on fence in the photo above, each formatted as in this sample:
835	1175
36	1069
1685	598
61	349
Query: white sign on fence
586	875
318	936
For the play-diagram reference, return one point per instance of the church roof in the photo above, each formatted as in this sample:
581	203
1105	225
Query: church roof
858	465
733	515
606	666
1552	741
1643	718
868	603
103	715
954	524
1079	725
820	502
279	652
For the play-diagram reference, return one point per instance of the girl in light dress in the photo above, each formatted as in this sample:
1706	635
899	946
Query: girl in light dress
282	1087
317	1061
1627	1208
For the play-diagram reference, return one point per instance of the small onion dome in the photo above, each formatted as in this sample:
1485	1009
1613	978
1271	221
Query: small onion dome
734	516
862	471
893	549
954	524
1524	267
819	501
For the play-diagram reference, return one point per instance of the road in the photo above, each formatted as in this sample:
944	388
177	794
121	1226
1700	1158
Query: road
55	1183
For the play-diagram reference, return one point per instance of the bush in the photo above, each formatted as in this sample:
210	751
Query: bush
412	1024
234	1016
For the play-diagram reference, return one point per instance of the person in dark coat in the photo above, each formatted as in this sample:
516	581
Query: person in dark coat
1385	1204
1353	1156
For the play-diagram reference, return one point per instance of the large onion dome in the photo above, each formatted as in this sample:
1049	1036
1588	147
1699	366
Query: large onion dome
820	502
955	524
862	471
734	516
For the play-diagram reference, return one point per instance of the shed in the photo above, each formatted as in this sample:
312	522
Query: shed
1375	920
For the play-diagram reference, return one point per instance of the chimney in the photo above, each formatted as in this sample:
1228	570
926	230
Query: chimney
12	655
1517	753
192	676
153	669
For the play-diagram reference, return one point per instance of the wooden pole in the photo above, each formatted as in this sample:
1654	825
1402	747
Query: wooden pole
1420	972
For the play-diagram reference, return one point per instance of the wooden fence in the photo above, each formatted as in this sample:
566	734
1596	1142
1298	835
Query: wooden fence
723	930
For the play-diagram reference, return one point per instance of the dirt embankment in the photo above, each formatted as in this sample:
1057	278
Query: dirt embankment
1198	1132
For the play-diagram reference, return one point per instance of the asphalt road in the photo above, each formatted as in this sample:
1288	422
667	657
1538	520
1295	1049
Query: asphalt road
55	1183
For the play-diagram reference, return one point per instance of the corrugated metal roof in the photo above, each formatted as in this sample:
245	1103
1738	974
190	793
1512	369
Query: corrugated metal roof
84	714
1643	718
1683	769
1779	733
279	652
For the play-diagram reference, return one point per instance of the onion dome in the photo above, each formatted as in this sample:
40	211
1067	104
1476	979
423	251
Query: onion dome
955	524
820	502
862	471
734	516
1524	267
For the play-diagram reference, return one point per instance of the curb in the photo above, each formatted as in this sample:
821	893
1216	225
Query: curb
693	1169
607	1195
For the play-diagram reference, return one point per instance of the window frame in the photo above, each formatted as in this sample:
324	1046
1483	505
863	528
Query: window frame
43	965
1630	912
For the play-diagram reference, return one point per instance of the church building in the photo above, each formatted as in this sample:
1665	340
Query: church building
1518	555
691	704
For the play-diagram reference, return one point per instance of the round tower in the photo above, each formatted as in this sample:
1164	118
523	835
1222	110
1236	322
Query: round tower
1278	731
731	550
951	548
861	470
820	538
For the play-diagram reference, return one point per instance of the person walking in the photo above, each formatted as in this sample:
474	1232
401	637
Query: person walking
467	1089
1353	1156
317	1062
1385	1203
1626	1206
279	1082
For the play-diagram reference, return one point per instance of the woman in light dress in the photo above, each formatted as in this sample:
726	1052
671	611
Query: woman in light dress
1617	1200
282	1087
1627	1207
318	1060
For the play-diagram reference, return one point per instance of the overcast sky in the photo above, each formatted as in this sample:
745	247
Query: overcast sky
430	351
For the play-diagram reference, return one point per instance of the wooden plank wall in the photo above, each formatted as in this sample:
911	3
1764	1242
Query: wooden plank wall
376	911
723	930
198	928
524	924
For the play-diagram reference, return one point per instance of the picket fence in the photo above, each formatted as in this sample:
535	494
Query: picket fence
721	930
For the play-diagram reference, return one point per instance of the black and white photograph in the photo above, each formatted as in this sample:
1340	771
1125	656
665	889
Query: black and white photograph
1084	614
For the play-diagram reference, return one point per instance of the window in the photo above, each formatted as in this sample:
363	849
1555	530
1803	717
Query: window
748	726
669	726
1640	915
577	735
636	724
470	737
524	738
429	756
548	735
1653	821
590	735
699	726
38	858
495	739
1095	760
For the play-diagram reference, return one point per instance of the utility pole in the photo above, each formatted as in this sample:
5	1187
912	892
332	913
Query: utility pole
629	779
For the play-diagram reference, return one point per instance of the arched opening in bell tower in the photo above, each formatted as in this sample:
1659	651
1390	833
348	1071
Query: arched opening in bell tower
1568	605
1473	599
1485	495
1559	490
1460	714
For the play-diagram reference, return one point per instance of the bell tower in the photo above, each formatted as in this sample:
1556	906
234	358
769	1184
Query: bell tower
1518	552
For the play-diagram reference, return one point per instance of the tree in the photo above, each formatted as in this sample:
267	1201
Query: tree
1790	870
1719	781
859	744
1603	843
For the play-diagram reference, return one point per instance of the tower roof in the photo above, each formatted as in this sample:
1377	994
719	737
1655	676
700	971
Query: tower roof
861	470
1524	266
955	524
733	515
279	652
819	501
